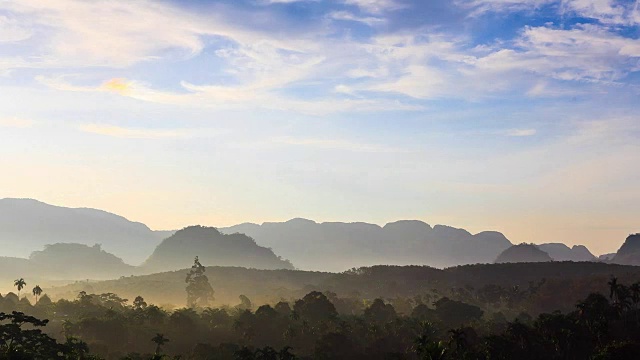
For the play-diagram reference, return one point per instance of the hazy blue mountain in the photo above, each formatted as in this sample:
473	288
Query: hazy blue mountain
606	257
629	252
214	249
79	261
523	253
336	246
561	252
27	225
64	262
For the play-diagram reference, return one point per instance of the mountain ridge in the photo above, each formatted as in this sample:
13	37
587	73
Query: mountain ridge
337	246
28	224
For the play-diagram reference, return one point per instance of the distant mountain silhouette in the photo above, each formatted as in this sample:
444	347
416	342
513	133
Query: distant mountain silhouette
78	261
214	249
606	257
65	262
336	246
629	252
523	253
561	252
26	225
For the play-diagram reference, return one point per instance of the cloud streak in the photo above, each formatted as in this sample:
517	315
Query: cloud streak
146	133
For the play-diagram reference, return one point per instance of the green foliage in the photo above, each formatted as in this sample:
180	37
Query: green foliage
22	338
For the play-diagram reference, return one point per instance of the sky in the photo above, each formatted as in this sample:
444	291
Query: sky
521	116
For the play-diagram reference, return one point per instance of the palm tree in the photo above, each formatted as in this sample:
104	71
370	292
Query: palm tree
20	284
37	291
160	340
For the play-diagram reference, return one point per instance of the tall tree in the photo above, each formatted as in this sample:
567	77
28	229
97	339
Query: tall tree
36	292
20	284
199	291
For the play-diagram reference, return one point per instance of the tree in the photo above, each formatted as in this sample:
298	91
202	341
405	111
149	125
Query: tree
20	284
18	343
199	291
315	308
36	292
380	312
139	303
159	340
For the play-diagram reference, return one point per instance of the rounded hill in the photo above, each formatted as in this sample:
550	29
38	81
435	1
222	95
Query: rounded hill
523	253
214	249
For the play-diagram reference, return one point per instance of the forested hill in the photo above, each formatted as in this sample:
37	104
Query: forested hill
27	225
335	246
214	249
550	283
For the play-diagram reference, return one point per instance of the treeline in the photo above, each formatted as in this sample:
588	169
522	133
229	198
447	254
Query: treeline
324	326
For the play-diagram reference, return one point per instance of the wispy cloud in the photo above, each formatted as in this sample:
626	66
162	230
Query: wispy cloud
16	122
12	31
337	144
376	6
349	16
520	132
146	133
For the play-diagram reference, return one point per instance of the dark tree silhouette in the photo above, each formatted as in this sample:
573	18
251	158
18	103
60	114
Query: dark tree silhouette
20	284
139	303
159	340
199	291
37	291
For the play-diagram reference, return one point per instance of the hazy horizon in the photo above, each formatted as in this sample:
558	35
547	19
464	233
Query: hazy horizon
319	221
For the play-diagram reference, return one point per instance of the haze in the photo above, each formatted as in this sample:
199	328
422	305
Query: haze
515	116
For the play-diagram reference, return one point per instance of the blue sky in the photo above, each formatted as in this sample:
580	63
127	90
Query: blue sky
512	115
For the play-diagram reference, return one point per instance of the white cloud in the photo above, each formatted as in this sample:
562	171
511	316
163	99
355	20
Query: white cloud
263	65
375	6
220	97
348	16
12	31
584	53
122	33
605	11
520	132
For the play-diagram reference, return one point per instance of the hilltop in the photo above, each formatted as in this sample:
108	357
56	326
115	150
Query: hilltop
629	252
561	252
63	262
523	253
214	249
